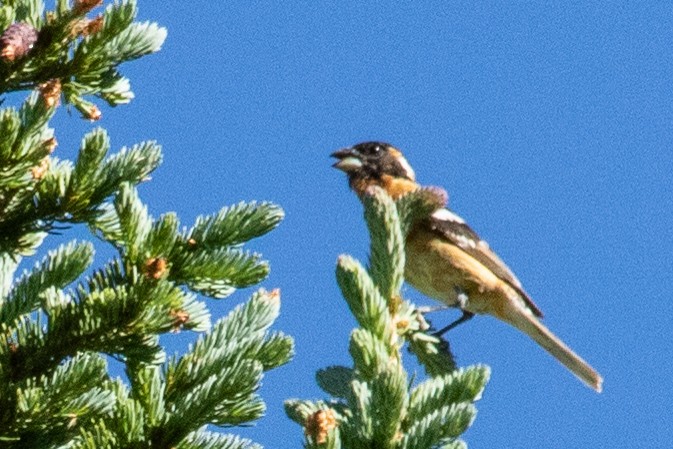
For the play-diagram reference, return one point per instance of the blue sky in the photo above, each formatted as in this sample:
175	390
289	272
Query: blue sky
550	124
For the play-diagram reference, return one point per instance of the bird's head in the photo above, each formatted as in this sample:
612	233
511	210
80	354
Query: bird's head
376	163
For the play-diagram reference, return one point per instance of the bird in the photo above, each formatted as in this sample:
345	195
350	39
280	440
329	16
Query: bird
448	261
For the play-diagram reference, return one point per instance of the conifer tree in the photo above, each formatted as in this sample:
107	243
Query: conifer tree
60	320
376	403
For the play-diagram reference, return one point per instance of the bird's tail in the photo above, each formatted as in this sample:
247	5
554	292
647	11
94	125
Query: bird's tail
532	327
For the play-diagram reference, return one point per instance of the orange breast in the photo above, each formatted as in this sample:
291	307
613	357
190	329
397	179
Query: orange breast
395	187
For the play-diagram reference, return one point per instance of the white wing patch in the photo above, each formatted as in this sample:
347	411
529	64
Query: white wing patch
465	241
446	215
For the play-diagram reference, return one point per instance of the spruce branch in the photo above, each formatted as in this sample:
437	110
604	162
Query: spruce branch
243	334
73	389
206	259
218	273
148	390
58	269
461	385
319	420
56	324
373	404
80	54
236	224
364	298
217	380
386	262
208	440
33	203
334	380
432	352
114	320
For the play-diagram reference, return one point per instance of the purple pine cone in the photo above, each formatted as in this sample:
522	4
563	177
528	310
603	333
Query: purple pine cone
16	41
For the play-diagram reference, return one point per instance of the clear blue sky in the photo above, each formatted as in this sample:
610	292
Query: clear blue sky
550	124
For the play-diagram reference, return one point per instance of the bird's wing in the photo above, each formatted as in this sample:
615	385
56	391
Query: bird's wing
453	228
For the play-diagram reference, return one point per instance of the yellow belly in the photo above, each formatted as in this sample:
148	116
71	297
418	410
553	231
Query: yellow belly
442	270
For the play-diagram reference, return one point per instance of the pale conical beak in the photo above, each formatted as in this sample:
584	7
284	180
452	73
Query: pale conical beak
349	160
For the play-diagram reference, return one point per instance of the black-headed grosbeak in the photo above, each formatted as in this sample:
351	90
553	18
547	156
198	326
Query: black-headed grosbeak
446	259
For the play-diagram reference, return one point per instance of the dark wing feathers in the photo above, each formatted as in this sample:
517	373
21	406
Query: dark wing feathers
452	228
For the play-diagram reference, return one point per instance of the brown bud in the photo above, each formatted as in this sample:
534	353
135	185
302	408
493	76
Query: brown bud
50	144
319	424
155	267
84	6
39	170
92	113
77	27
85	27
180	318
16	41
51	92
93	26
402	323
274	295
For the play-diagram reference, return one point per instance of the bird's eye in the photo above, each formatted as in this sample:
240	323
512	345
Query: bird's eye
377	149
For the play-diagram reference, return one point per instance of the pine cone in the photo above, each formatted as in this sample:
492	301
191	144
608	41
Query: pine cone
16	41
